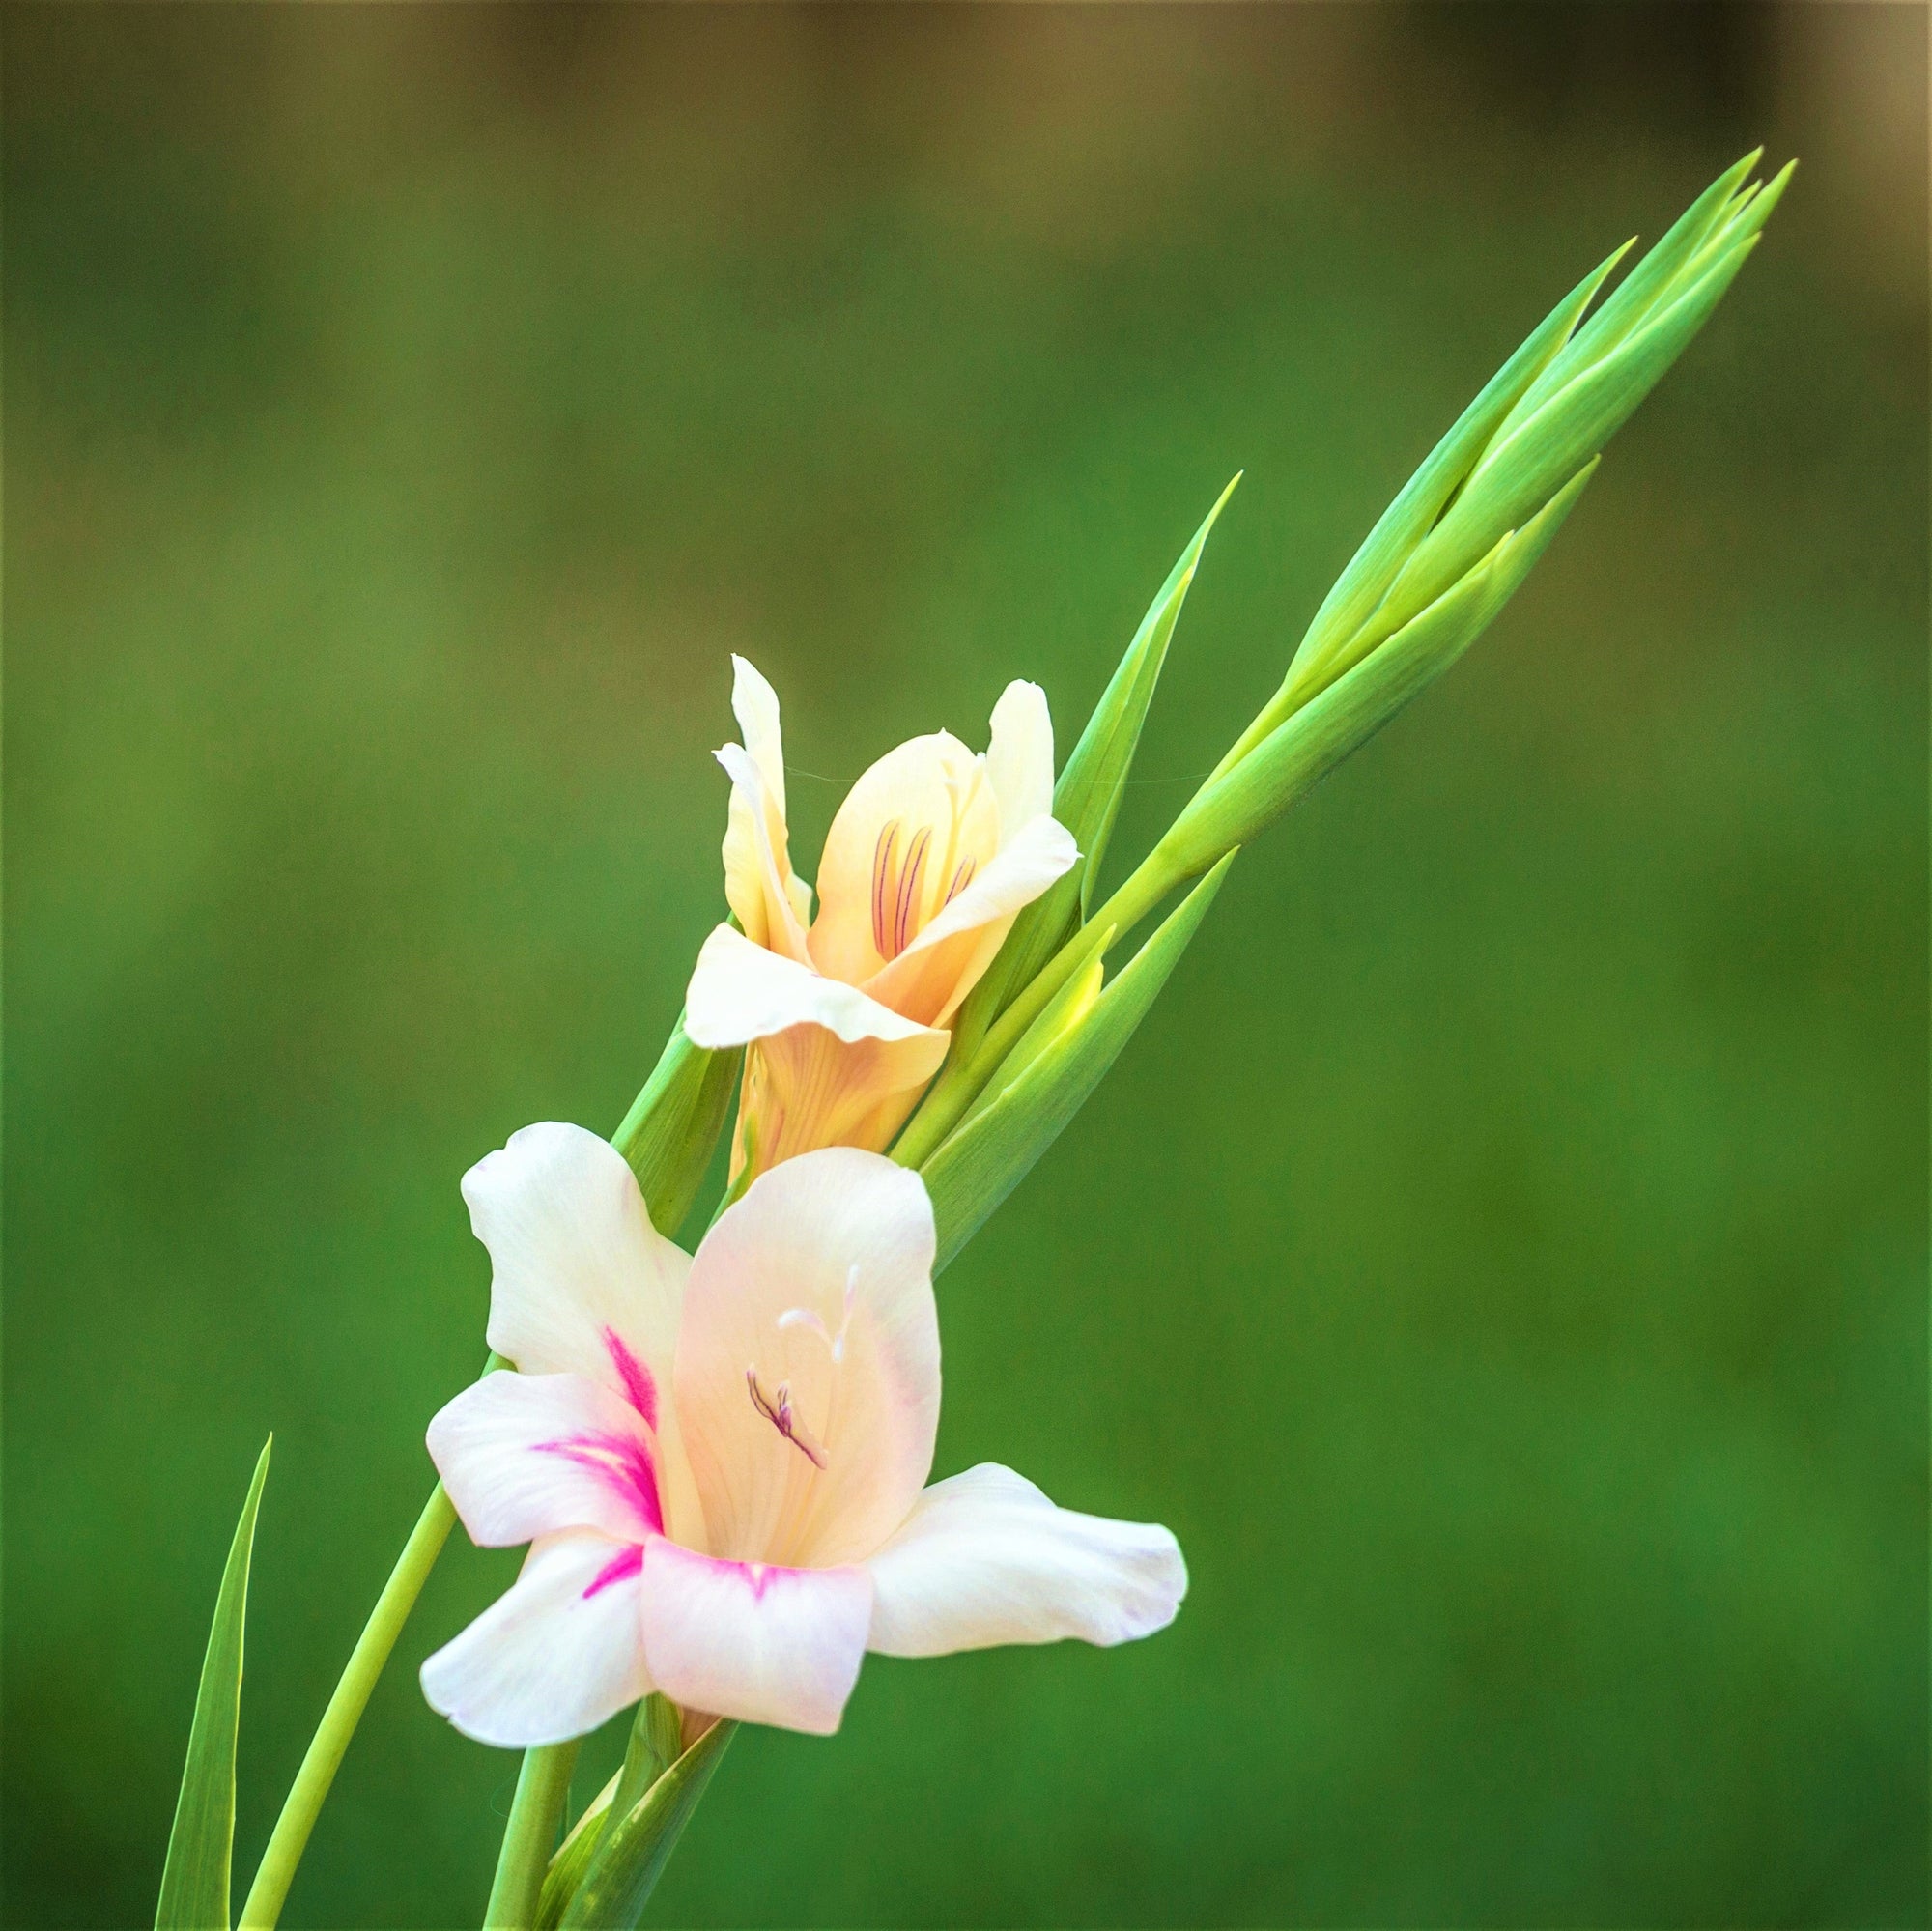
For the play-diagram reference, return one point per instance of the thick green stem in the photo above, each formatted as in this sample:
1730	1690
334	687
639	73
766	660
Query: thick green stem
290	1838
536	1812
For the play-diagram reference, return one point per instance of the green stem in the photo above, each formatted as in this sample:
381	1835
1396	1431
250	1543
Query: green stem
535	1813
290	1838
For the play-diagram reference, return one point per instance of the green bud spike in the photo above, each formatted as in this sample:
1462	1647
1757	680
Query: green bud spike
1641	292
982	1162
1294	758
1362	586
1518	472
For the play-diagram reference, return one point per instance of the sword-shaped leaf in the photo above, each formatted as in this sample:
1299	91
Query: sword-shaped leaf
636	1846
194	1881
1087	799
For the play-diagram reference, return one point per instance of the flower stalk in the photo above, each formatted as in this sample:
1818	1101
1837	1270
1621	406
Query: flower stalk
536	1812
328	1746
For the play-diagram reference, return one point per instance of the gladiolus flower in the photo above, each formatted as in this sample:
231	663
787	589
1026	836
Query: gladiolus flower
929	859
720	1462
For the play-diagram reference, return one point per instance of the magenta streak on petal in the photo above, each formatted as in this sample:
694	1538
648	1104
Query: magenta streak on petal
622	1463
758	1576
619	1569
638	1387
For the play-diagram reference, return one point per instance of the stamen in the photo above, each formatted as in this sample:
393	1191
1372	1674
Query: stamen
882	865
909	881
777	1412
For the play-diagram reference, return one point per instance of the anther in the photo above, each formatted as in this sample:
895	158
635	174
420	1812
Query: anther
778	1412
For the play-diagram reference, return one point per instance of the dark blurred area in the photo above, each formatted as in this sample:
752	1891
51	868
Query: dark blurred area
1502	1256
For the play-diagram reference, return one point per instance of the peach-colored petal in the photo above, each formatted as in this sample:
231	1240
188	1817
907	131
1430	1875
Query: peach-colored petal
759	885
985	1558
763	1644
805	1088
807	1370
912	833
1020	758
529	1455
745	872
556	1656
934	973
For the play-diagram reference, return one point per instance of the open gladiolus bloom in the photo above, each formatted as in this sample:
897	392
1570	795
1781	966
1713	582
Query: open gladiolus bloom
932	855
719	1463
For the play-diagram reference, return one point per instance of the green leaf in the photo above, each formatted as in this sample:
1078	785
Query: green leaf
1288	763
635	1849
989	1155
194	1882
573	1858
655	1742
674	1124
1087	799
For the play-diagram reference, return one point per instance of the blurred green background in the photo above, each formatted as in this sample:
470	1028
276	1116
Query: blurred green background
1501	1258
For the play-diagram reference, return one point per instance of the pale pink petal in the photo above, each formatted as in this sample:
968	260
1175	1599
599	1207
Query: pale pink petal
1020	758
765	1645
807	1368
985	1558
557	1656
528	1455
740	992
581	1281
930	978
913	831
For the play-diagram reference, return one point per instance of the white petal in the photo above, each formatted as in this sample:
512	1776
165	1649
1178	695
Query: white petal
817	1285
765	1645
985	1558
528	1455
581	1283
755	705
1020	758
740	992
557	1656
